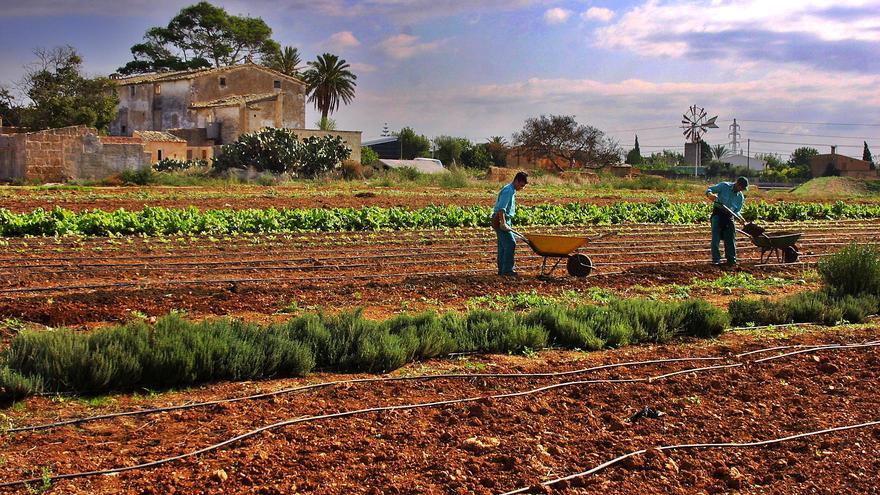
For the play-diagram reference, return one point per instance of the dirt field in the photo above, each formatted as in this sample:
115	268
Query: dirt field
493	445
85	282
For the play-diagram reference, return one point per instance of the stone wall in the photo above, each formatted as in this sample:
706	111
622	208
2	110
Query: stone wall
69	153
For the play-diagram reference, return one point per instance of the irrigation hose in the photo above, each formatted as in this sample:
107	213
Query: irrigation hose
343	414
725	445
314	386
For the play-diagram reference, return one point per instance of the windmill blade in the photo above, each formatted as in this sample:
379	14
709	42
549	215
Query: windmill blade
711	123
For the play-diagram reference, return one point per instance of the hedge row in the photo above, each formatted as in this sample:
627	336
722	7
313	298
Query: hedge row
178	352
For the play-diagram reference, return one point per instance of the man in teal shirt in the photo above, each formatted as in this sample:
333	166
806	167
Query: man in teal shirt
729	194
504	211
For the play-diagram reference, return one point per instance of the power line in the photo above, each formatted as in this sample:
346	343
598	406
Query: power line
809	123
642	129
808	144
817	135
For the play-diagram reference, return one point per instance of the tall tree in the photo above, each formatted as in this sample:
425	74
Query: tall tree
565	143
285	60
497	148
10	109
867	156
62	96
412	145
330	83
634	157
201	35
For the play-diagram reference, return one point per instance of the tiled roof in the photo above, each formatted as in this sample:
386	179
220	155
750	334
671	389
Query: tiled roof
191	74
158	136
235	100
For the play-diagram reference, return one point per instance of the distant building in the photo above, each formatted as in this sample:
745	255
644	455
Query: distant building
387	147
740	160
844	166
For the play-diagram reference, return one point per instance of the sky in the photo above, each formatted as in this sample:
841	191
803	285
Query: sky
786	70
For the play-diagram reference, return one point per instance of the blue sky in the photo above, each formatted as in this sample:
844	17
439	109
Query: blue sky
479	68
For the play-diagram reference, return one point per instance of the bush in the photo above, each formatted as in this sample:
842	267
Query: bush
173	165
14	385
820	307
138	177
280	151
855	270
368	156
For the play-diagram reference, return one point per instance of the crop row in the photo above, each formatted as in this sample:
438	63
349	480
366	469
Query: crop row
170	221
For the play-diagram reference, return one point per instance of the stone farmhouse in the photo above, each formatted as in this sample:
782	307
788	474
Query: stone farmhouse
181	115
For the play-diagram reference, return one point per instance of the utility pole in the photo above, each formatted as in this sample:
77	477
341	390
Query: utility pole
749	154
734	137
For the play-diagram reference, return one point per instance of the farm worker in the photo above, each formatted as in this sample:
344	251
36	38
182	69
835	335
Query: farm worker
504	211
729	194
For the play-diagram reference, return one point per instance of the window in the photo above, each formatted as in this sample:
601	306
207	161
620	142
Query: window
159	154
157	89
222	82
131	91
277	84
189	154
204	154
124	128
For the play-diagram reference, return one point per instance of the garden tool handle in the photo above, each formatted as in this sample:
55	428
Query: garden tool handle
735	215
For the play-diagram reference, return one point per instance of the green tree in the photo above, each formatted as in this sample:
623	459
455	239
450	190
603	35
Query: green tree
867	156
498	148
286	60
62	96
449	149
564	142
10	109
705	153
330	83
201	35
800	161
719	151
413	145
326	124
477	156
634	157
368	156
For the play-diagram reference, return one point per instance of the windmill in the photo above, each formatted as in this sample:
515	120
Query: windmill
695	124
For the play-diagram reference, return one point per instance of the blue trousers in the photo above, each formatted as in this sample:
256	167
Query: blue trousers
723	228
506	247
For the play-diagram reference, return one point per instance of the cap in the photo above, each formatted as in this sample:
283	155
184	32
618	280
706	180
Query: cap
744	181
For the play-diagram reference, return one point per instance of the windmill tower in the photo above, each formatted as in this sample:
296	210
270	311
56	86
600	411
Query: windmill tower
695	123
735	138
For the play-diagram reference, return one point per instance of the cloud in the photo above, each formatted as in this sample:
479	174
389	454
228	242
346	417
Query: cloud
556	15
363	68
341	41
403	46
806	32
598	14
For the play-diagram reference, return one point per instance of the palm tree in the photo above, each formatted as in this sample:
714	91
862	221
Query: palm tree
497	141
329	83
287	61
719	151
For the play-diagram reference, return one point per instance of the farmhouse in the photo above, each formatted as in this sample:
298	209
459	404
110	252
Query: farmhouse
844	166
222	103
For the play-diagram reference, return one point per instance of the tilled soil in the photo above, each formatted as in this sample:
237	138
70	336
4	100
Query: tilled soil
495	445
66	282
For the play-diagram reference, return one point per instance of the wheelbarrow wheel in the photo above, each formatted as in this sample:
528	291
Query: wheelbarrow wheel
579	265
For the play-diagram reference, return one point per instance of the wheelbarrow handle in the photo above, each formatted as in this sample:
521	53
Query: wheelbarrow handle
733	213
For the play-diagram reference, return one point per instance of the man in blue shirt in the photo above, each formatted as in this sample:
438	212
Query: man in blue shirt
729	194
504	211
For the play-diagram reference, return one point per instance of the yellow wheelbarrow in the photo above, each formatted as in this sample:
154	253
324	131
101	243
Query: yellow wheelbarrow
560	247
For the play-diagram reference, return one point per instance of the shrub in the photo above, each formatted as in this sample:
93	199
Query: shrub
368	156
14	385
271	150
319	155
853	271
173	165
138	177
